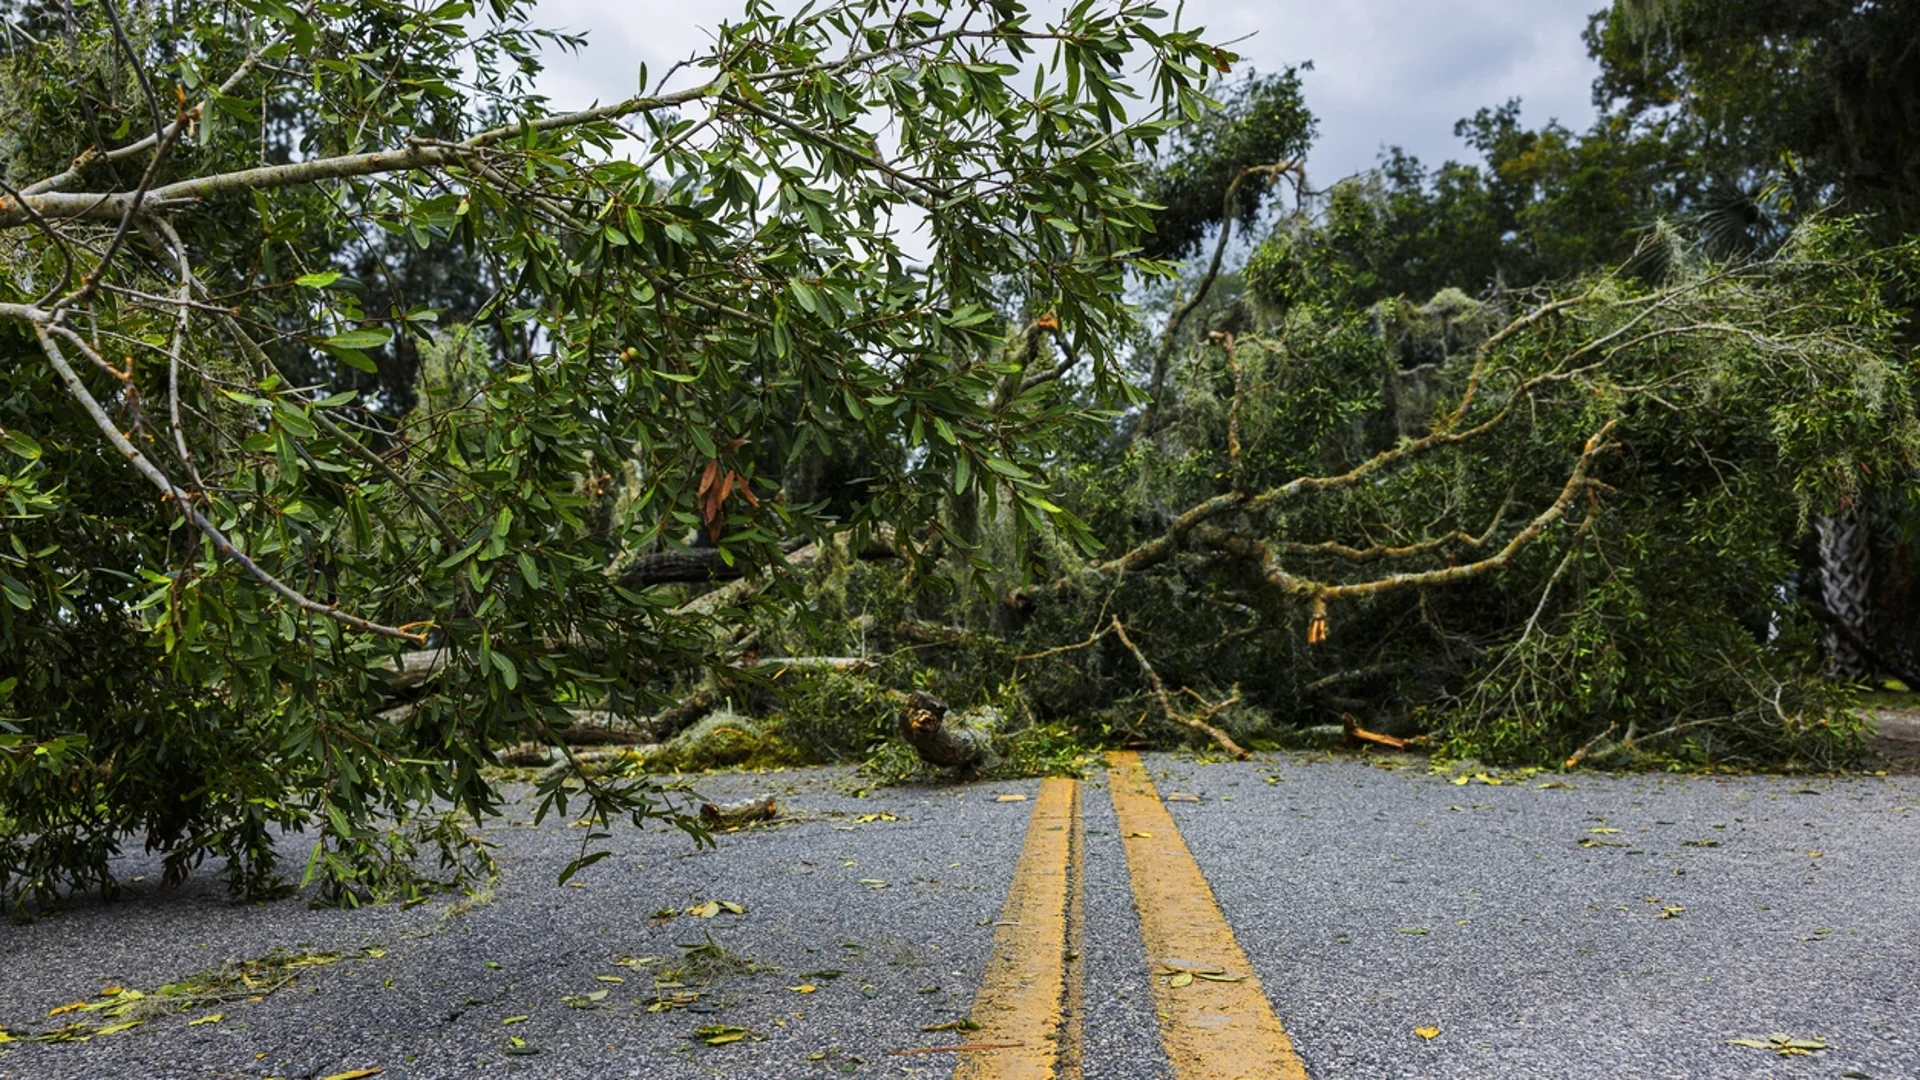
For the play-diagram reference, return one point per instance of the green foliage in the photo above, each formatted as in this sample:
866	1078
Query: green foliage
830	718
1730	121
1662	606
724	739
1818	97
1262	120
1541	206
436	361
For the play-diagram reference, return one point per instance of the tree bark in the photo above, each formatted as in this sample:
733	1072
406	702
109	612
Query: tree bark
1844	590
738	815
946	741
674	719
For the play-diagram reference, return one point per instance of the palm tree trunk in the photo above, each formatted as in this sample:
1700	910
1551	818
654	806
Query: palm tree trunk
1845	563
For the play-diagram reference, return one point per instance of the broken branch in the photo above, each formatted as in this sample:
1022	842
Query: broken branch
1220	738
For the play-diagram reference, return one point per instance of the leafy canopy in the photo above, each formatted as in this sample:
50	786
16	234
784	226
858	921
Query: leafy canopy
256	457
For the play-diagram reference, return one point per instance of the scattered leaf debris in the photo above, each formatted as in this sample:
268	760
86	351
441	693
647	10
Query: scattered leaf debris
1784	1045
719	1034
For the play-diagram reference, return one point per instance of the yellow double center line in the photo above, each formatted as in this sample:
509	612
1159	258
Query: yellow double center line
1215	1021
1019	1008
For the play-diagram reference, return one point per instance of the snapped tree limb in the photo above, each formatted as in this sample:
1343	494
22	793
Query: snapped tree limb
1220	738
1263	555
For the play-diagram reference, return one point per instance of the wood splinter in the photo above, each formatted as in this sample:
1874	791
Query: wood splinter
1355	731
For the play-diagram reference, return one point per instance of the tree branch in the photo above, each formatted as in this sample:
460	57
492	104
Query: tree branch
1381	552
1163	354
1162	547
177	345
1233	410
413	157
46	331
240	73
1220	738
1322	593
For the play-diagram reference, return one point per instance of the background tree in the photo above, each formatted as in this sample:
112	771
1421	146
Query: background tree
1818	97
1797	108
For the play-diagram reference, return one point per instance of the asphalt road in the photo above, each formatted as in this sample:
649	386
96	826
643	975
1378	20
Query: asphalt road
1585	926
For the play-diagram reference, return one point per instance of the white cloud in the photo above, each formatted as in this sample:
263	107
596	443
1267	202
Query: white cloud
1401	72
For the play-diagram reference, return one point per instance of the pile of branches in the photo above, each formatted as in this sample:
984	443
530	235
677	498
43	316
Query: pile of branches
1548	528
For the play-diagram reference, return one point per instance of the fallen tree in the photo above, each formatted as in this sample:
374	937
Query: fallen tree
1468	564
1578	540
422	364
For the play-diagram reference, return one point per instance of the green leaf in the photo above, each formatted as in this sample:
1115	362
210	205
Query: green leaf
20	444
371	338
509	674
1008	469
294	420
579	864
318	280
17	592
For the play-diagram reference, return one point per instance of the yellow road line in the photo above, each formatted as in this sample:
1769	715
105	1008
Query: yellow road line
1213	1029
1020	996
1073	1025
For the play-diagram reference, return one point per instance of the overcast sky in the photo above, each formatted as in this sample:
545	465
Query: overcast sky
1386	72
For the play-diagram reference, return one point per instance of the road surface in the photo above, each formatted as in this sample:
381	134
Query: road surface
1333	918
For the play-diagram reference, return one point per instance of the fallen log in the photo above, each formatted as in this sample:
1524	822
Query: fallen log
410	669
597	729
700	564
526	754
808	663
591	727
949	741
735	815
877	547
596	762
674	719
921	632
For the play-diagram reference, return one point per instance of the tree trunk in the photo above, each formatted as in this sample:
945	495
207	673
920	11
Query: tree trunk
1845	562
960	741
